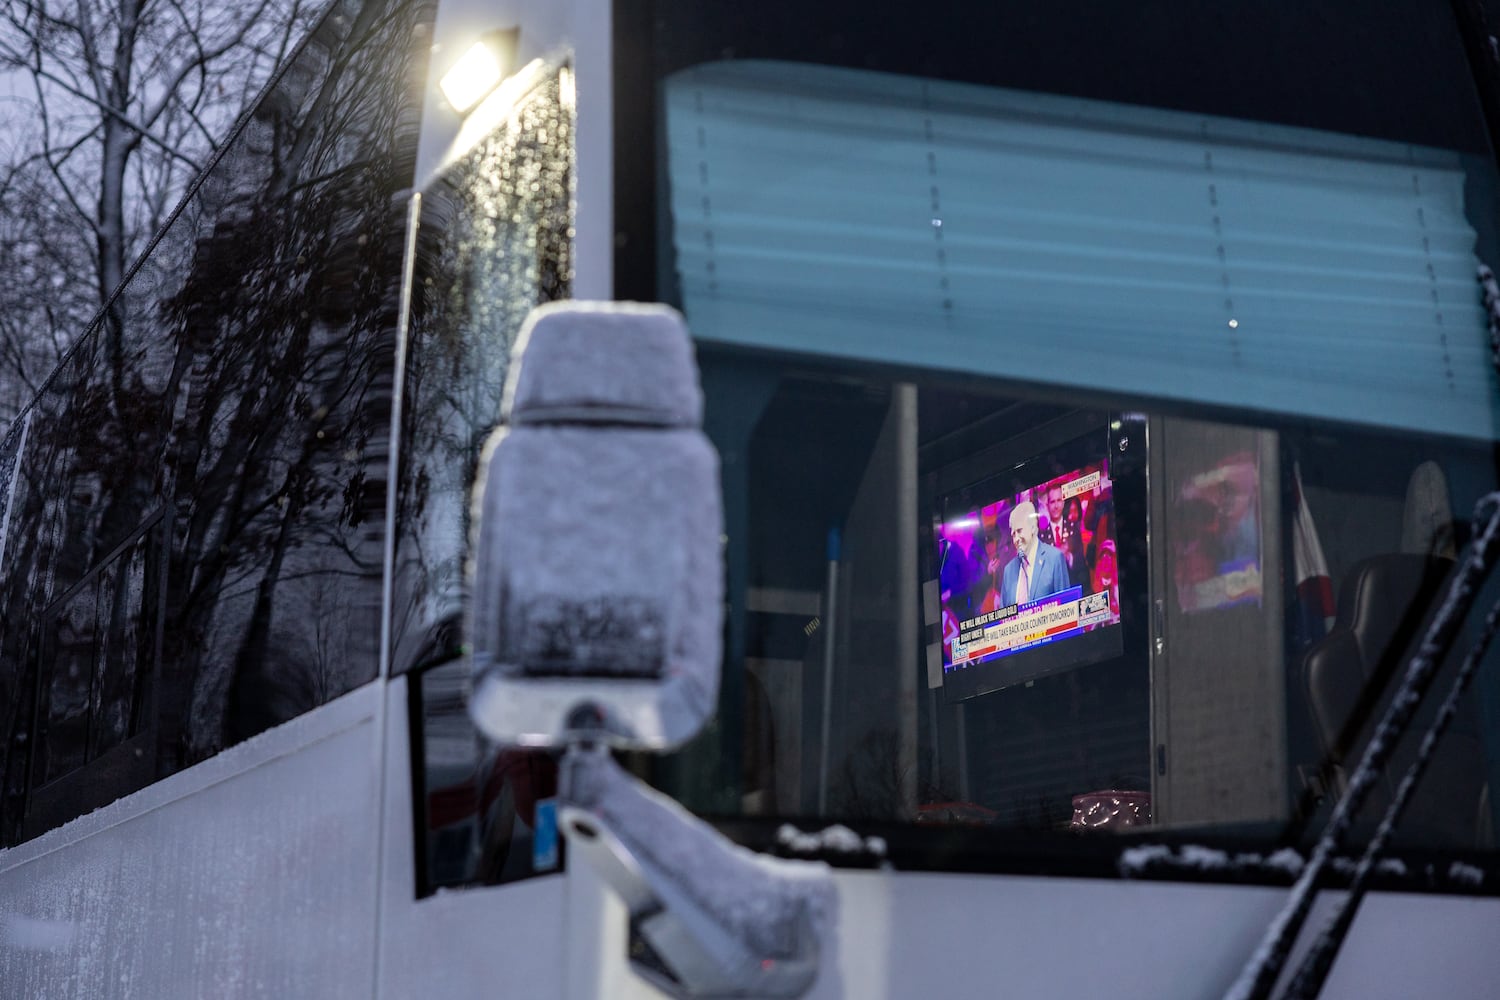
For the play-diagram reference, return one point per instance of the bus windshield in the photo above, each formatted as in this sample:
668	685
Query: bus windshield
1102	398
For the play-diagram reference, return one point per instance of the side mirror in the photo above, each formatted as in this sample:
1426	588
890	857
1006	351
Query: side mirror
597	572
597	605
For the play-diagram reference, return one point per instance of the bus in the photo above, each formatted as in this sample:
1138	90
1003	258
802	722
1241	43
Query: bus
1102	394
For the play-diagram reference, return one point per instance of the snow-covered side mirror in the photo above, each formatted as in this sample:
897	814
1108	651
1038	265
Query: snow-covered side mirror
597	568
595	617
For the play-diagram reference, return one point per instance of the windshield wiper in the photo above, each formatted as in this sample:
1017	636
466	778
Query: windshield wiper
1259	976
1263	969
1319	960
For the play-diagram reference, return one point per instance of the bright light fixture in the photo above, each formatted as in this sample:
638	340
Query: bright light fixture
491	112
480	70
476	73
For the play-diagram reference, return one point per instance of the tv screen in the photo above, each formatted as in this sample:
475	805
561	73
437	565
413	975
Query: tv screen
1216	545
1028	570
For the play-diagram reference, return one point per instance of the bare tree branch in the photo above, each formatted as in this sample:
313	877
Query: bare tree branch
127	99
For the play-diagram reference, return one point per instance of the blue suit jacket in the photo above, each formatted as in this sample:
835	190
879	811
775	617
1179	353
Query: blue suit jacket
1048	576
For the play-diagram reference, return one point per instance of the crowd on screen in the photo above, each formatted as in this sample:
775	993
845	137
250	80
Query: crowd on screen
974	550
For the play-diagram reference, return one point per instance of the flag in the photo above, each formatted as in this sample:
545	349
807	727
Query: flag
1315	607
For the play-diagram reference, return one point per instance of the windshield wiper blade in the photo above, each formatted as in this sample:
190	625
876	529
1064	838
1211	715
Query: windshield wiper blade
1259	976
1319	960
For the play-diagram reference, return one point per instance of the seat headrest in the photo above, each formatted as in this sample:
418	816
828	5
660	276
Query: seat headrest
1387	594
1382	603
626	364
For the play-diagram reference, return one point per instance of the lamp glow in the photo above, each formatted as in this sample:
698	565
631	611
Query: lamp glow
476	73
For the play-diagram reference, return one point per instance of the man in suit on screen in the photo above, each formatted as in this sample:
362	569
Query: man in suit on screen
1038	569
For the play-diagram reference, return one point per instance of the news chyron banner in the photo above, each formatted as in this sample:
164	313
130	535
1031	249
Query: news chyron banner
1082	486
1007	630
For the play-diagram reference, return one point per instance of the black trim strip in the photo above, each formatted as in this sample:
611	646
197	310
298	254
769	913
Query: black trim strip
1143	854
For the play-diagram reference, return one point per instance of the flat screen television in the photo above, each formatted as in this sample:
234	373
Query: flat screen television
1028	569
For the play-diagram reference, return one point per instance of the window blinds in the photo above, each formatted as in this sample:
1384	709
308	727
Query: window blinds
1077	243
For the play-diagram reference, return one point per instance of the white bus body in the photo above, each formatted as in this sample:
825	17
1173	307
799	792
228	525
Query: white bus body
290	862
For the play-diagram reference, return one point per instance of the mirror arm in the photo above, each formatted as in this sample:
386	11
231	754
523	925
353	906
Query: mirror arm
708	918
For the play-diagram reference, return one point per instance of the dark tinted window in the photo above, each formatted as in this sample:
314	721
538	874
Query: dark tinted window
482	811
100	641
868	479
237	389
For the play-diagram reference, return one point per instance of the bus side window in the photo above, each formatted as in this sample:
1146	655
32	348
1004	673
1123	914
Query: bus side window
476	803
100	645
15	718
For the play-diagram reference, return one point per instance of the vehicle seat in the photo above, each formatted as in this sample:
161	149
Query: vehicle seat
1350	675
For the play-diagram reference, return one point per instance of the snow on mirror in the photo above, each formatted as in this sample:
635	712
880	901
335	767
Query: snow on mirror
595	618
597	570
